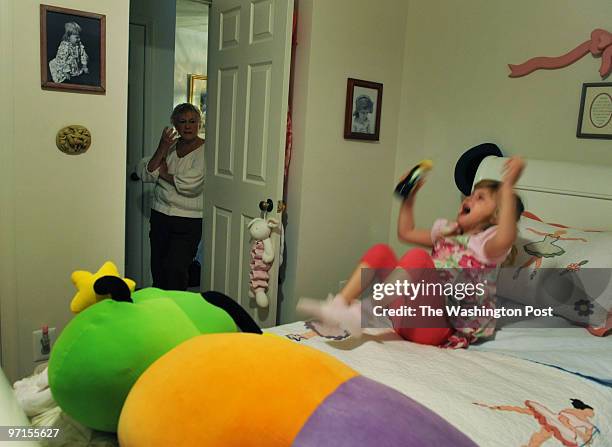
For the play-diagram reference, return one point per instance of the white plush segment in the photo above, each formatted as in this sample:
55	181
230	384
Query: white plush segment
11	413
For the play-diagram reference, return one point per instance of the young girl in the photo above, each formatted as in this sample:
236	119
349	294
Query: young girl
480	238
361	116
71	58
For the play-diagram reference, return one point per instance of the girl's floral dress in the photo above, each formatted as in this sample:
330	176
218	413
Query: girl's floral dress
461	259
68	62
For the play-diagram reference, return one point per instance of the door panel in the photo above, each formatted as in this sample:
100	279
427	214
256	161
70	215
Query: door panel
228	86
134	217
222	229
258	122
249	57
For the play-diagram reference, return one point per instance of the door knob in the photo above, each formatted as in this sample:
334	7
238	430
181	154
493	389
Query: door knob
134	177
266	206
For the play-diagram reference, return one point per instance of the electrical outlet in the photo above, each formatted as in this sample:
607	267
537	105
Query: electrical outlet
42	350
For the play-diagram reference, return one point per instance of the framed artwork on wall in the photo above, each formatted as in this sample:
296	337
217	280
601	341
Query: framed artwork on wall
197	96
362	113
595	115
72	50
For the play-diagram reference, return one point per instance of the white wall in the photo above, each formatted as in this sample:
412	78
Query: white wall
456	91
59	212
8	286
444	69
339	190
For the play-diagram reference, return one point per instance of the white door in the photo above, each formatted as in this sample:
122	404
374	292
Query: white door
136	239
248	82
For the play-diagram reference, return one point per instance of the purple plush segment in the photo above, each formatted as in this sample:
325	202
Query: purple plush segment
362	412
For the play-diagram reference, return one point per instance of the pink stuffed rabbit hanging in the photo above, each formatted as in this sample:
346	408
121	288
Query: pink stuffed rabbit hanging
262	257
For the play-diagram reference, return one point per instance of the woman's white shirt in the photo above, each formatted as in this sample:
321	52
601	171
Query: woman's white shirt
186	197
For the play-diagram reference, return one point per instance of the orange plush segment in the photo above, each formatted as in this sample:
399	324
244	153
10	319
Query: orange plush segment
229	390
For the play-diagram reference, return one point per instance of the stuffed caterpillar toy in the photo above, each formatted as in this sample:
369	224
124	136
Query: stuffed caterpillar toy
119	332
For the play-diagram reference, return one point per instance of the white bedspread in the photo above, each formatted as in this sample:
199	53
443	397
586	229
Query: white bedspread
453	382
567	347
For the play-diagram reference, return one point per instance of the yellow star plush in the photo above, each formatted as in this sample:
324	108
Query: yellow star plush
84	282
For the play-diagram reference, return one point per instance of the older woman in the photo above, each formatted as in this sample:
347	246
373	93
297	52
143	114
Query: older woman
177	169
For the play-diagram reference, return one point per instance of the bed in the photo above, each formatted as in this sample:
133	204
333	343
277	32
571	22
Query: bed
549	384
529	386
465	386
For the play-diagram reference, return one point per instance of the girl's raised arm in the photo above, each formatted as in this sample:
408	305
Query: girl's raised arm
507	229
405	222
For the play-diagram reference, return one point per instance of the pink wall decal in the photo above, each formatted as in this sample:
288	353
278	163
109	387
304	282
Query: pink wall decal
600	44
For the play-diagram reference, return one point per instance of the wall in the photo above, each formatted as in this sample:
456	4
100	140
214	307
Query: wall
338	192
59	213
8	294
191	45
457	92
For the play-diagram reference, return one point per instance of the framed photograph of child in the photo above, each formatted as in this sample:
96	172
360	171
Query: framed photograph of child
197	96
363	106
72	50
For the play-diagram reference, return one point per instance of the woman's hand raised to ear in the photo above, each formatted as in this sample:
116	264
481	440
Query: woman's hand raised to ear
168	137
166	141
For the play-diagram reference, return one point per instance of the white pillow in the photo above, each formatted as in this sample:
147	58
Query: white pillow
566	268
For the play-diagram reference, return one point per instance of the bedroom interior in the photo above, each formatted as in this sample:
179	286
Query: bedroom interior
444	67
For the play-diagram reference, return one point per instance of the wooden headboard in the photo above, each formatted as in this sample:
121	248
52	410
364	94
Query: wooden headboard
576	195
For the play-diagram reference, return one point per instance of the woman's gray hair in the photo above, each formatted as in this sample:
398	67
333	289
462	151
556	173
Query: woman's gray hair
185	107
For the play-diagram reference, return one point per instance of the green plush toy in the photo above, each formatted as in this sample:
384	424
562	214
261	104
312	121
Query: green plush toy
108	345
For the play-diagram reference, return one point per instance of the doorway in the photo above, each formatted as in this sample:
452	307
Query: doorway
246	130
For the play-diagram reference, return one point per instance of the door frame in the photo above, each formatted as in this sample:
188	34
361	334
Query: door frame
150	27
